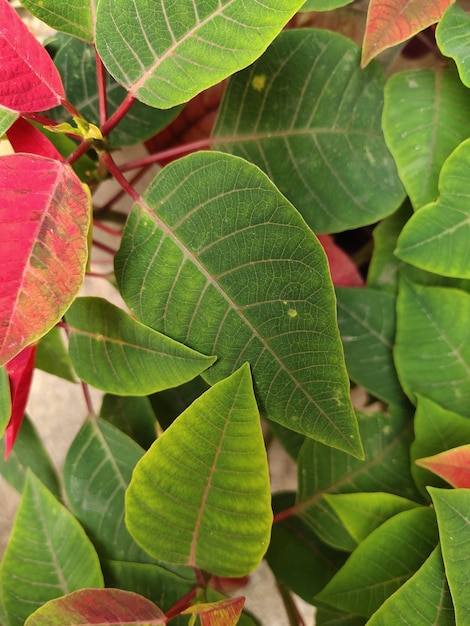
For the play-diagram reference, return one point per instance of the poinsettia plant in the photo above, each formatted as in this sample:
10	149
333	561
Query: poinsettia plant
305	228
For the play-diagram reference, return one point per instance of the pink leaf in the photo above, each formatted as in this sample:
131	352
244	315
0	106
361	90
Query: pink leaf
222	613
44	217
20	372
98	606
392	21
452	465
29	80
343	271
24	137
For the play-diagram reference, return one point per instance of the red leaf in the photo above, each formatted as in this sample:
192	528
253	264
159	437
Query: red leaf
20	372
24	137
222	613
98	606
343	271
452	465
29	80
44	217
392	21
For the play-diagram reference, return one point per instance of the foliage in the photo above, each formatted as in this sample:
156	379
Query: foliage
307	229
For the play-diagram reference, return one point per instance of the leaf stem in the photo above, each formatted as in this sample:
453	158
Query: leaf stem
101	83
104	247
118	114
293	613
168	154
87	396
115	171
107	229
183	603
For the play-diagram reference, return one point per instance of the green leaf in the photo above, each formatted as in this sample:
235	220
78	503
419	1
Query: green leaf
324	5
424	599
164	55
97	471
436	429
52	356
114	352
7	118
451	37
98	606
133	416
296	556
200	496
48	554
432	355
76	63
361	513
323	470
251	284
452	507
371	575
5	400
436	237
424	120
366	319
315	128
170	403
325	617
28	453
75	18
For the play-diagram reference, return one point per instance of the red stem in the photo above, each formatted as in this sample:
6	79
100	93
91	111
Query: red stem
101	82
104	247
182	604
118	114
70	108
107	229
168	154
114	170
79	152
282	515
86	393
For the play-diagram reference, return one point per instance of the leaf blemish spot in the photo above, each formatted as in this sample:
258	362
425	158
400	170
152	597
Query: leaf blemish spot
259	81
292	313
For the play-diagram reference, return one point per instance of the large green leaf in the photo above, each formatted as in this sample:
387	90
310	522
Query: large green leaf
48	555
432	353
167	53
436	237
28	453
200	496
451	37
325	617
52	355
250	284
311	119
452	506
424	119
323	470
436	430
114	352
366	319
75	18
97	471
372	574
324	5
424	599
133	415
76	63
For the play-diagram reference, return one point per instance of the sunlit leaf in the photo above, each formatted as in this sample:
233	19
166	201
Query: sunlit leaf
25	86
225	612
99	606
451	37
436	237
452	465
324	5
48	555
247	285
75	18
392	21
7	118
29	454
112	351
436	429
76	63
20	373
323	470
315	129
424	119
424	599
200	495
452	506
361	513
432	355
366	319
165	57
43	247
97	471
370	576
